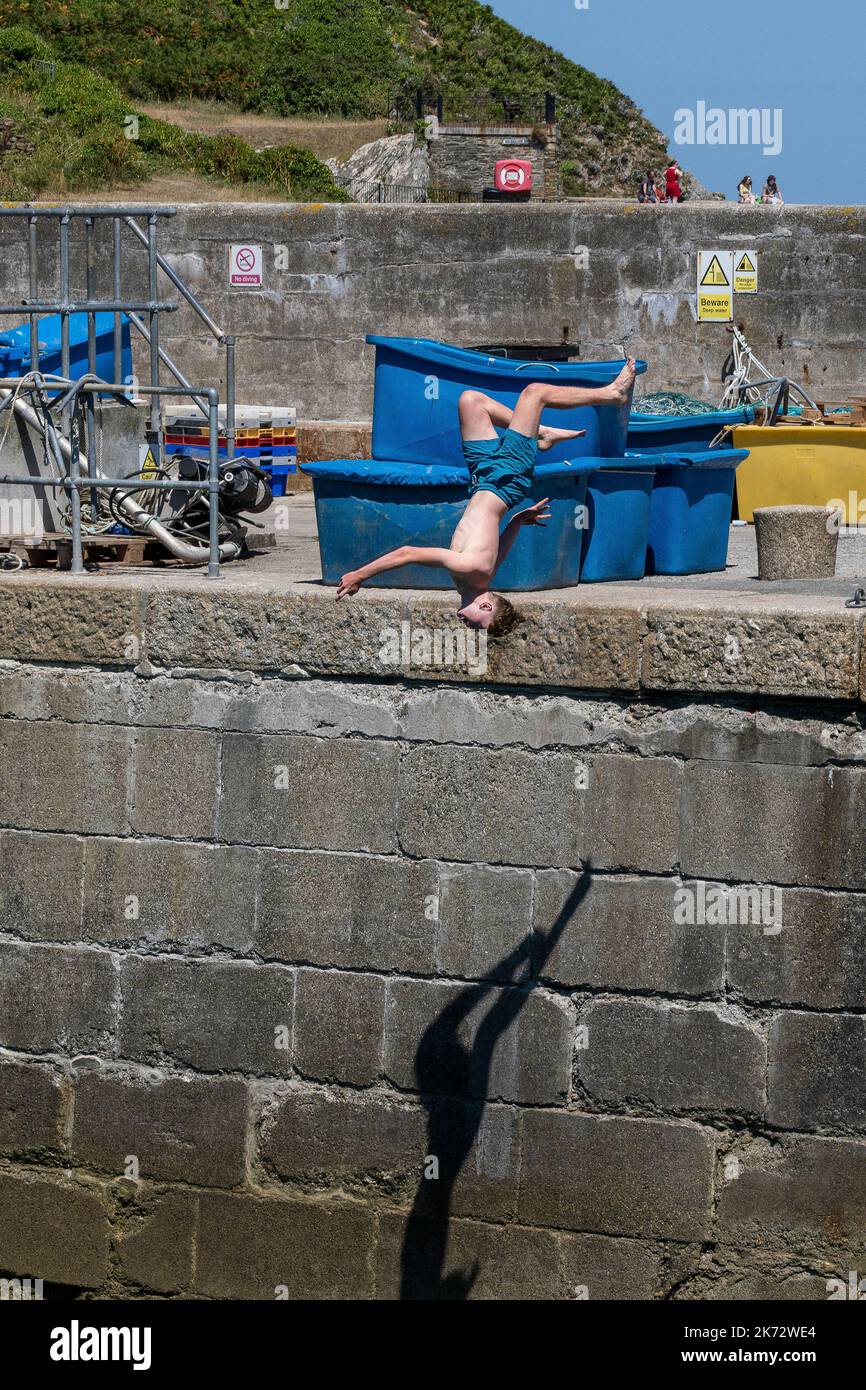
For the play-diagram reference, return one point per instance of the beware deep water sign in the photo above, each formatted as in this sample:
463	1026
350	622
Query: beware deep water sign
715	286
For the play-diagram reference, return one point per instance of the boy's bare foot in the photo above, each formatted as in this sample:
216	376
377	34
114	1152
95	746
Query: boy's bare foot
618	391
548	436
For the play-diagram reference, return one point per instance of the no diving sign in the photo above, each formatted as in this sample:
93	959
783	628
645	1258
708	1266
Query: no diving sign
245	266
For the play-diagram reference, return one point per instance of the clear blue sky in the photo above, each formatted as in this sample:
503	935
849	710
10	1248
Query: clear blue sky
807	59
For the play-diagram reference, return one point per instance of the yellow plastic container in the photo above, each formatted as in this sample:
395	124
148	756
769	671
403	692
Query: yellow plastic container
805	465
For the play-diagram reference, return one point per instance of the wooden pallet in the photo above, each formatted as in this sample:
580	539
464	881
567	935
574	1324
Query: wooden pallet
55	549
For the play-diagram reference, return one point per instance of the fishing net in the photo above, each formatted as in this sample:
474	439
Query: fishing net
672	403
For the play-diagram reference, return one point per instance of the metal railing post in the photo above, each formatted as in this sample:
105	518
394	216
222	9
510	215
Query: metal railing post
213	484
33	289
75	499
90	399
231	429
117	291
152	270
64	297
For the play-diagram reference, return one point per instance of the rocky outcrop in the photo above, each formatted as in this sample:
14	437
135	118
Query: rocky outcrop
396	159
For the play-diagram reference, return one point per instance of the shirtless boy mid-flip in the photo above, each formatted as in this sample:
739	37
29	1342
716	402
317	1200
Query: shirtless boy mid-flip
500	476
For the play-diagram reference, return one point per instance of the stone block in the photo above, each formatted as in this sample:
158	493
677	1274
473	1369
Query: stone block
349	910
478	1041
622	934
308	793
206	1014
189	1130
673	1059
615	1176
338	1026
283	1249
56	999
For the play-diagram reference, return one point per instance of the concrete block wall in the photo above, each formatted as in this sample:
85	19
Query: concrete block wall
597	273
347	987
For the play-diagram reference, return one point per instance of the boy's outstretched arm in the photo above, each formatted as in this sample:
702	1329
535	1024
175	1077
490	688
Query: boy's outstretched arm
451	560
536	515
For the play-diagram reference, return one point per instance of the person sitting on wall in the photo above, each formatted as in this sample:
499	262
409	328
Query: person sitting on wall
647	191
744	189
772	193
500	477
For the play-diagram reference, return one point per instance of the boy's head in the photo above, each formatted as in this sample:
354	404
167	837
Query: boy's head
492	613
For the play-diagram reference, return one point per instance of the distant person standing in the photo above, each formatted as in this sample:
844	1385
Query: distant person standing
744	188
673	188
772	192
647	191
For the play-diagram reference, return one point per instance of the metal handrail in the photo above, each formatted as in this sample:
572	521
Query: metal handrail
152	307
179	285
100	210
225	340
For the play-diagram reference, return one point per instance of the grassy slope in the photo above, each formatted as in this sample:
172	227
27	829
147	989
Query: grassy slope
77	124
345	57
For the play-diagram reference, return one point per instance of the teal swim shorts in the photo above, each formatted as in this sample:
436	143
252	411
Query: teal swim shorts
503	466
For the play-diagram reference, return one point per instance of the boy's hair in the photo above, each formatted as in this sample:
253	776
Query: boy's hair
506	620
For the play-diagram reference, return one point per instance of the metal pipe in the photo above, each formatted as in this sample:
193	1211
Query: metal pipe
141	327
77	565
90	400
33	290
84	306
100	210
231	429
107	388
64	296
130	484
178	283
213	485
153	325
118	291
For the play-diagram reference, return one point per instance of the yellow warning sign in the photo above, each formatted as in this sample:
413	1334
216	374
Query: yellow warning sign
148	466
716	308
746	272
714	274
715	286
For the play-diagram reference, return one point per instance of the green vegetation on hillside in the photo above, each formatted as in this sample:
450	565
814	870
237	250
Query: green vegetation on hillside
78	136
345	57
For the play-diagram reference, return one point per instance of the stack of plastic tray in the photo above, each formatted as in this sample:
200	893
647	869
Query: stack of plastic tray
265	434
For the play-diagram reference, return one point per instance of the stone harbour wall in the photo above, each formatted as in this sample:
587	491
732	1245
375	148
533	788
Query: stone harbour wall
600	273
351	987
